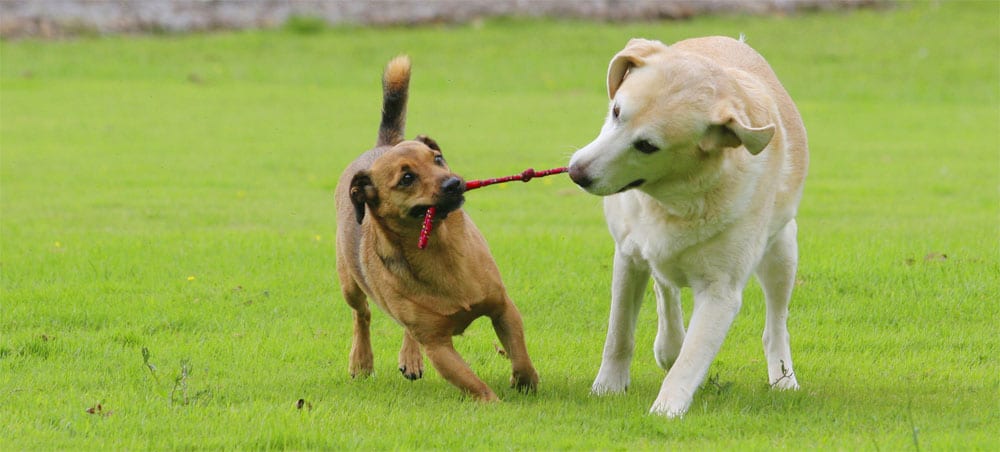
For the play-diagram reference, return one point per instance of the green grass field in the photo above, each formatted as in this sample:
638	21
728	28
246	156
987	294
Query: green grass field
174	194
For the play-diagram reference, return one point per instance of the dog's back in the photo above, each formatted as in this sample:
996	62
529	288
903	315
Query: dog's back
794	155
395	92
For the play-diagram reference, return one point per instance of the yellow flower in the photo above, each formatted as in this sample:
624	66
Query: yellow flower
190	278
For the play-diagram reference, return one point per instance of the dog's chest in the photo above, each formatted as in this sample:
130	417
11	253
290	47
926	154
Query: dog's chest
664	244
647	229
430	282
675	248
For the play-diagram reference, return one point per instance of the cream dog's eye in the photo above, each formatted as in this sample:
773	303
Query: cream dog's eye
407	179
616	111
645	146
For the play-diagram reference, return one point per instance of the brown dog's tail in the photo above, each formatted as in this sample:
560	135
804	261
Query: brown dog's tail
395	85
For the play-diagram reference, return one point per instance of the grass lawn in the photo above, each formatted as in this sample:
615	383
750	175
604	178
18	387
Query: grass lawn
174	194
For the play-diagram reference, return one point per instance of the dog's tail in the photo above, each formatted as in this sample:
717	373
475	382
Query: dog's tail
395	85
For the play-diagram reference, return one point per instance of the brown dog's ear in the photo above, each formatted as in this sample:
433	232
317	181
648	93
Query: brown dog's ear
633	55
362	192
429	142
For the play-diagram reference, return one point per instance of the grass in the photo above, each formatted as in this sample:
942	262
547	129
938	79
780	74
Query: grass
174	194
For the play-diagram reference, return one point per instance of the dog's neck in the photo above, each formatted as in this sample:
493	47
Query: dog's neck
395	245
702	195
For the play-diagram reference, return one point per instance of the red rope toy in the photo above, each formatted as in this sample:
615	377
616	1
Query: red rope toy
525	176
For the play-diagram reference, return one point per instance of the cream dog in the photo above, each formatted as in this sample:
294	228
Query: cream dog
701	161
433	293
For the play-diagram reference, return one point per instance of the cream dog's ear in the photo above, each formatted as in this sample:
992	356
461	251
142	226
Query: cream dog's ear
740	118
733	131
634	54
362	192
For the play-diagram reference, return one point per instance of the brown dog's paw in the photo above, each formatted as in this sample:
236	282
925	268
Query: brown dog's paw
486	397
524	380
411	361
362	364
412	372
361	371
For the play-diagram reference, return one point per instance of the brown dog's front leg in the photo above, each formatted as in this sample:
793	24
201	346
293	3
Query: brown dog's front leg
453	368
510	329
411	362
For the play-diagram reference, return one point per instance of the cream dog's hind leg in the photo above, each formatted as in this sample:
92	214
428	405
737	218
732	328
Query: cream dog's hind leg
776	274
670	328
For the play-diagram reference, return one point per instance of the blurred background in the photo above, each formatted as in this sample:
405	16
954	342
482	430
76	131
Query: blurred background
167	170
51	18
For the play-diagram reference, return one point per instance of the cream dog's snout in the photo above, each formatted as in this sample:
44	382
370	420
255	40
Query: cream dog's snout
578	173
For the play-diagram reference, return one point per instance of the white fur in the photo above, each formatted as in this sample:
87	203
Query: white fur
704	218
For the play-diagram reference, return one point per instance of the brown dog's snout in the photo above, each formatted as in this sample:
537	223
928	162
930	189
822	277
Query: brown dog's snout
451	197
453	186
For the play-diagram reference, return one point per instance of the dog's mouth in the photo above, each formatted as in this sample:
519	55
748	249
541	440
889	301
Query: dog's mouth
442	209
632	185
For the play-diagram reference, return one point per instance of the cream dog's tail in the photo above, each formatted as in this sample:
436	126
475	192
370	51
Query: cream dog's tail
395	85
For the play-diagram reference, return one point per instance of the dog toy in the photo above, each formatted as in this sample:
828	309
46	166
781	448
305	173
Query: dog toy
525	176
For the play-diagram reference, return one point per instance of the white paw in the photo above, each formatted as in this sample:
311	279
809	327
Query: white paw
668	410
667	347
612	378
604	386
783	377
665	355
785	383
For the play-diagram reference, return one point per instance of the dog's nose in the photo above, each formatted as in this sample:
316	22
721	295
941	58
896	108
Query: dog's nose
453	186
579	176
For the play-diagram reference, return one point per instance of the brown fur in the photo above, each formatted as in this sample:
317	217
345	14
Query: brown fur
433	293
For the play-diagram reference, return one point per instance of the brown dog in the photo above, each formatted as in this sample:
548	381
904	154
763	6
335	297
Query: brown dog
436	292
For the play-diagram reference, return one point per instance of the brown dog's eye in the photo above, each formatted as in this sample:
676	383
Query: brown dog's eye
645	147
407	179
438	160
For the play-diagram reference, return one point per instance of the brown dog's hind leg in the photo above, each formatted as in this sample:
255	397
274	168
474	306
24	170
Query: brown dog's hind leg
441	352
510	329
361	361
411	361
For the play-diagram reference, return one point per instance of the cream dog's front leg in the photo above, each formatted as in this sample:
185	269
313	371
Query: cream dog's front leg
627	286
715	308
